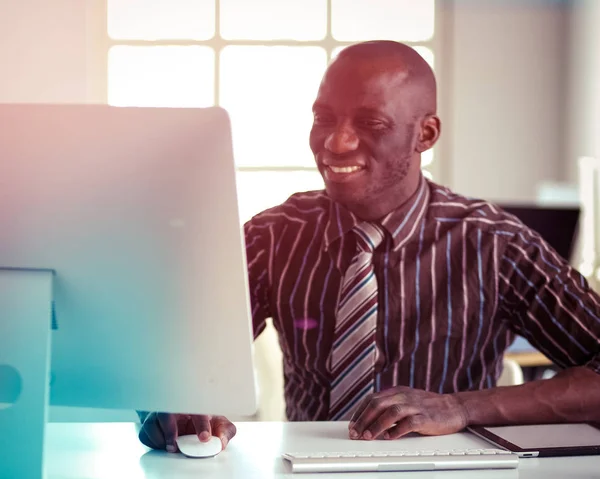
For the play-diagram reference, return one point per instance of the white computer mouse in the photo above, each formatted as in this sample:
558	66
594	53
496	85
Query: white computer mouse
191	446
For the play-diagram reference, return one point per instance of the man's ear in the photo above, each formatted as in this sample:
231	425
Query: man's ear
431	127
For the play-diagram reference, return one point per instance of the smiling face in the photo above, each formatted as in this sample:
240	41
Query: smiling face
368	133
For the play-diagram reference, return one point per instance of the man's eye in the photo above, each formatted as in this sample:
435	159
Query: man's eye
371	124
321	119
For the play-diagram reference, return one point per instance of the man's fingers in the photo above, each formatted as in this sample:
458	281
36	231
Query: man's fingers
390	416
168	425
357	413
202	427
403	427
354	434
373	409
224	429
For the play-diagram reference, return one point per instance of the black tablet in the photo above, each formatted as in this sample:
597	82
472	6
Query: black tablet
544	440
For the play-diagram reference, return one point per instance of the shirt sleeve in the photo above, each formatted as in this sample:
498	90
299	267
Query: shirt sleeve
549	303
142	415
258	238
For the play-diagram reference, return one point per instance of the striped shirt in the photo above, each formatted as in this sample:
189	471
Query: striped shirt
457	279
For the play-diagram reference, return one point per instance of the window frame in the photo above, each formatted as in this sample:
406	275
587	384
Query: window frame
99	44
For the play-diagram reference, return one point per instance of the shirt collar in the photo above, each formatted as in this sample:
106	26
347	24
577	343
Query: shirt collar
400	223
340	222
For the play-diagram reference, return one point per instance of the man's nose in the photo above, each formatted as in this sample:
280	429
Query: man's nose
342	140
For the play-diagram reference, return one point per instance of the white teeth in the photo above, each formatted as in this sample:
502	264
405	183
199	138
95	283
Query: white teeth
345	169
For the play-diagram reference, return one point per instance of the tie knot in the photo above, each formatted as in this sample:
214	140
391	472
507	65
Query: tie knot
368	236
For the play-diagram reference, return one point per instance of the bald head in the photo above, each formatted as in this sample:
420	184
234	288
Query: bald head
400	59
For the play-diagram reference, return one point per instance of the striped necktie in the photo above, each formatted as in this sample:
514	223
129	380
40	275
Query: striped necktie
354	352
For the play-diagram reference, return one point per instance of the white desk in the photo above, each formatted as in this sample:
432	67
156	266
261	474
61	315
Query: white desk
112	451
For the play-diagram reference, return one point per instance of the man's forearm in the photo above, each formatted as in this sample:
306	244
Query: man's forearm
572	395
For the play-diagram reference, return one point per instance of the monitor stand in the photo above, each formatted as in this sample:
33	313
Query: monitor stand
25	328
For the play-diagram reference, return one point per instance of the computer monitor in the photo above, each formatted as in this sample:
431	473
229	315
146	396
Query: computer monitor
135	213
556	225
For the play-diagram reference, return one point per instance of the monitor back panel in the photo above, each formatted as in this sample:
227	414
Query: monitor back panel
136	211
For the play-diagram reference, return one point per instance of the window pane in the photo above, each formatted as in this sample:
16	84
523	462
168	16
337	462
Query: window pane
161	19
427	157
274	19
259	190
408	20
427	54
161	76
269	92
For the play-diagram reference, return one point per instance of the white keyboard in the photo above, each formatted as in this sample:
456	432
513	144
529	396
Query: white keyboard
402	460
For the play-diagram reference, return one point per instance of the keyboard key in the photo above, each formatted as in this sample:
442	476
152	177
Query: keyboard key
380	454
491	451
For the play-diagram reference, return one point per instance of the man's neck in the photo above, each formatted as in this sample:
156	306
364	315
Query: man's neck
380	207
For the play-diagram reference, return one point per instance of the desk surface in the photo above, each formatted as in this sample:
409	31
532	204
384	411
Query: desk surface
529	358
112	451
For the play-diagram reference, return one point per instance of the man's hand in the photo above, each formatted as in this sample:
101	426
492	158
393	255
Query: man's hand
160	430
400	410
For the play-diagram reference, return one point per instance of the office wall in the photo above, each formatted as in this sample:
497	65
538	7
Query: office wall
43	51
506	83
583	105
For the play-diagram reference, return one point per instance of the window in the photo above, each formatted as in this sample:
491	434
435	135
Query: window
262	60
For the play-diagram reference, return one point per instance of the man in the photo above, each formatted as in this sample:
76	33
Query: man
395	298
